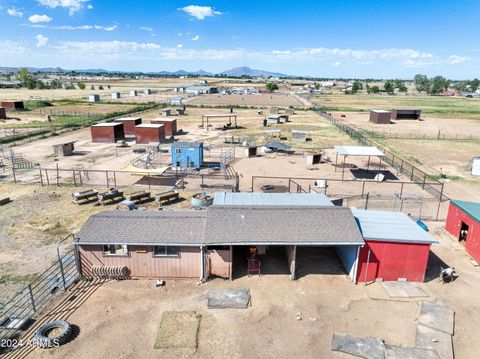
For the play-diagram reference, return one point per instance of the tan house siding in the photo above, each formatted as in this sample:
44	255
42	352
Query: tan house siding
141	262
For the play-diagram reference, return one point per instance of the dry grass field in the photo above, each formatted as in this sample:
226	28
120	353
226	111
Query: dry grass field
259	100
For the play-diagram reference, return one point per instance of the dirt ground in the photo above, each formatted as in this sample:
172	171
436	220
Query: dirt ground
429	126
261	100
327	302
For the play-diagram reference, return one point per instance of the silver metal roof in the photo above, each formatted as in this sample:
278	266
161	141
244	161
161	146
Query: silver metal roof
270	199
358	151
390	227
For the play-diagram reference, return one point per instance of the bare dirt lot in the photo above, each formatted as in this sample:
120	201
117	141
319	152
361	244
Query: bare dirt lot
261	100
326	303
428	127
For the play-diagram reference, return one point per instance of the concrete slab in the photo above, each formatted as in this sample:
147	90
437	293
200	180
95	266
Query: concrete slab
364	347
429	338
227	298
394	352
403	289
438	317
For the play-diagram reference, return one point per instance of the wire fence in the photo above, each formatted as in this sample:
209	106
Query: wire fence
375	133
426	181
22	309
407	197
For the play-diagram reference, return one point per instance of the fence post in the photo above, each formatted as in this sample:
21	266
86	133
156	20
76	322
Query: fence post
366	200
74	179
13	173
115	178
363	188
58	184
46	175
106	175
424	179
41	177
31	297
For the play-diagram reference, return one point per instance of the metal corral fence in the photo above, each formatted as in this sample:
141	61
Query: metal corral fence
117	178
22	309
406	197
416	175
417	208
375	133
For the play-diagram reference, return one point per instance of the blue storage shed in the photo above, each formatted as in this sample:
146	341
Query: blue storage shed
187	154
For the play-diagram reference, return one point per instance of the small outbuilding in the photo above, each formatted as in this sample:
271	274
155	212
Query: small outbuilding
133	93
406	114
129	124
170	125
149	133
64	149
463	222
94	98
107	132
116	95
299	135
396	247
12	105
474	166
3	113
147	92
187	154
380	116
166	112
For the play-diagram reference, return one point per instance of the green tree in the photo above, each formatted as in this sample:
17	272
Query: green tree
100	87
81	85
271	86
357	85
25	78
439	84
389	87
422	83
374	89
474	84
92	87
55	84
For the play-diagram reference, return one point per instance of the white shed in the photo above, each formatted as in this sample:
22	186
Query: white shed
474	166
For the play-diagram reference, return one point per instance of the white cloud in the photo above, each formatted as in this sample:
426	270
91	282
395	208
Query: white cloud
72	5
196	38
14	12
200	12
337	63
146	28
89	7
455	59
35	19
179	46
12	48
41	40
78	27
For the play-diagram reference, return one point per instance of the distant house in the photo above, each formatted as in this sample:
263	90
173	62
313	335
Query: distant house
199	90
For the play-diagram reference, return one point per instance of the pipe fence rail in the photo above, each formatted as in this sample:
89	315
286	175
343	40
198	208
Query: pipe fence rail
24	307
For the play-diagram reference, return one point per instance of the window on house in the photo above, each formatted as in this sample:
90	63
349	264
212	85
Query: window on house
115	249
178	151
163	251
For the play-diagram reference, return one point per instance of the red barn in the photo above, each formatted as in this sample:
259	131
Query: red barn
12	105
129	124
395	247
108	132
463	221
149	133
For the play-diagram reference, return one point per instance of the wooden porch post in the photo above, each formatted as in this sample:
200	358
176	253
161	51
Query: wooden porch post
293	265
230	274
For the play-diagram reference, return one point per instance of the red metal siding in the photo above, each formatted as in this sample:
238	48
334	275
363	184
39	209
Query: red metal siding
454	222
12	105
144	264
393	260
129	125
170	126
107	134
145	135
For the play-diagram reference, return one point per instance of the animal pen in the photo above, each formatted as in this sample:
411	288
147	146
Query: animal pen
230	116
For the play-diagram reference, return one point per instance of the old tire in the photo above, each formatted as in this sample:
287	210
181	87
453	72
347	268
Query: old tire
45	341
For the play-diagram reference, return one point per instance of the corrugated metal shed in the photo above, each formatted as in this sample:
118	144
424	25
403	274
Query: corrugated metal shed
390	227
471	208
270	199
358	151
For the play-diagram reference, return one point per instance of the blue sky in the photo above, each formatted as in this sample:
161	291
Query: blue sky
384	38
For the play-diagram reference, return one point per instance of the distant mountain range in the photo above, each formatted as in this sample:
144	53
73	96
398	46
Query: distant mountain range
235	72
